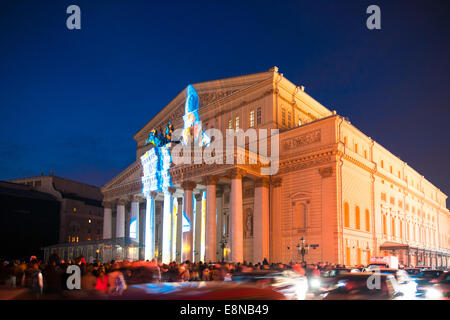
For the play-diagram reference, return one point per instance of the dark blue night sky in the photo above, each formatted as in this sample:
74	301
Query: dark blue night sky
71	100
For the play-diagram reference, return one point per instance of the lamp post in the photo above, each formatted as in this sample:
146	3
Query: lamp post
303	249
223	245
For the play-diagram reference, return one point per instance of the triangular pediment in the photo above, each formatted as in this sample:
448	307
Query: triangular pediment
132	174
208	92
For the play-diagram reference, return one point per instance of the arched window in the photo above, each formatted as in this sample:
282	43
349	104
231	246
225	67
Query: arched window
357	218
346	215
367	220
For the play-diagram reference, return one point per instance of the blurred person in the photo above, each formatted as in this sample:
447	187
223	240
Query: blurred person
52	277
101	281
116	281
88	280
205	275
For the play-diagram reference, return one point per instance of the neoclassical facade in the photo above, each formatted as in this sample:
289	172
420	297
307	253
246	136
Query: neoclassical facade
342	192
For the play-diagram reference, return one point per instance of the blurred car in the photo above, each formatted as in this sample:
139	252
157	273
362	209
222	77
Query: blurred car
355	286
405	284
289	283
413	272
204	290
327	277
441	289
425	279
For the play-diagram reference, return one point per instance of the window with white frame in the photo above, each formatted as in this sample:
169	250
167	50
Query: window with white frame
252	119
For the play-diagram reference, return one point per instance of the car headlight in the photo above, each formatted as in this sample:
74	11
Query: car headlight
315	283
433	293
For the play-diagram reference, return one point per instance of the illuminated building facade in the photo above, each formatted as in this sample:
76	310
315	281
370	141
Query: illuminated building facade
349	197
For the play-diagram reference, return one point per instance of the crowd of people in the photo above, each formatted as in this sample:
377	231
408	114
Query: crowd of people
51	277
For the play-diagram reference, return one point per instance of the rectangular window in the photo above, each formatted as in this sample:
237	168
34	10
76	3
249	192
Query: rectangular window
252	118
230	124
356	147
289	119
237	123
258	116
392	200
365	154
283	117
383	196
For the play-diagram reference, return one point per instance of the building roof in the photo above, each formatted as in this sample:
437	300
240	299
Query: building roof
22	191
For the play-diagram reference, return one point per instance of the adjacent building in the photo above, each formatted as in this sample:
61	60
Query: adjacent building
80	216
344	194
29	219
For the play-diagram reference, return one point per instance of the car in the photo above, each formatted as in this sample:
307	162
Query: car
413	272
405	283
201	290
425	279
288	282
441	289
364	286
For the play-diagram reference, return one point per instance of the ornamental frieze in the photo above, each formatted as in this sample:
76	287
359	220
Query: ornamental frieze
304	165
302	140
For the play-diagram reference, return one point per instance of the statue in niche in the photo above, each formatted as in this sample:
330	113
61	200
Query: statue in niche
248	223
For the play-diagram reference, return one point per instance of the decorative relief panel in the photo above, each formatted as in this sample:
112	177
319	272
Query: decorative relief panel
301	140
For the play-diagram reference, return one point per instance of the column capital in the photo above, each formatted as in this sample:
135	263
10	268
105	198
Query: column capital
210	180
262	182
135	198
276	182
198	196
236	173
153	194
171	190
122	202
188	185
107	204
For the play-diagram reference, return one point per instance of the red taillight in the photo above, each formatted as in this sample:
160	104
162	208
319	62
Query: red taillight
434	280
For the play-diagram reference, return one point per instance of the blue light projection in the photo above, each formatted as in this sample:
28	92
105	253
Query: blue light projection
192	129
156	161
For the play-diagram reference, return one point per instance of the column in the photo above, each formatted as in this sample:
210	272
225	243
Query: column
275	221
261	221
134	219
120	220
211	222
219	223
149	252
236	223
198	228
179	229
188	239
107	220
167	226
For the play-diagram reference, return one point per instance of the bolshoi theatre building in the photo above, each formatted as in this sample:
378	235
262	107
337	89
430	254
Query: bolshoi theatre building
336	196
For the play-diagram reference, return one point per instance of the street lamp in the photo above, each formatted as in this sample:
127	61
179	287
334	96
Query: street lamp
223	245
303	249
